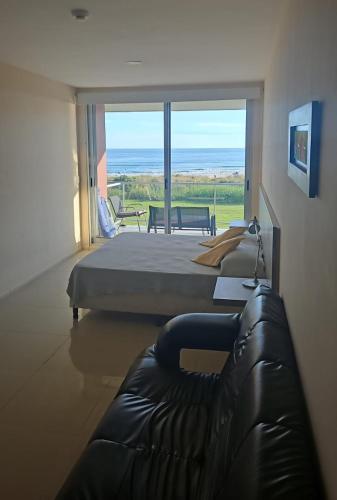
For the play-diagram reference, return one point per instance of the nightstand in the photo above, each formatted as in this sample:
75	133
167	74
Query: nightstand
231	292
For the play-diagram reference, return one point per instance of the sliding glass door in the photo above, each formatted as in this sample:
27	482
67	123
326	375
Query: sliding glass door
208	162
166	167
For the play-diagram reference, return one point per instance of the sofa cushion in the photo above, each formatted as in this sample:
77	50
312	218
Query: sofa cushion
101	474
274	462
150	426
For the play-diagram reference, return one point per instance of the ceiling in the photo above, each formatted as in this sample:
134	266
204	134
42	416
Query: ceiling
179	41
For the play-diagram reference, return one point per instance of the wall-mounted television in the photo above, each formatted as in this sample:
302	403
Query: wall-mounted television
304	147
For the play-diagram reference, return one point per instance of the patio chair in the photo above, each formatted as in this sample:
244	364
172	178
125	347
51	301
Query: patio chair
196	218
120	213
156	218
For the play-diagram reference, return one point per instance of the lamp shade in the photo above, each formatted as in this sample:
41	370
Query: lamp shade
254	226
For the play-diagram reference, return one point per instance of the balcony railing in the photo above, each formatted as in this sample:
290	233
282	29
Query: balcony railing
224	199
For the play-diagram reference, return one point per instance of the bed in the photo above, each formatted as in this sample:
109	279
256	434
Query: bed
154	274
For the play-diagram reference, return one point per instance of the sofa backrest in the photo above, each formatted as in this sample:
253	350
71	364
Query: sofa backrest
260	436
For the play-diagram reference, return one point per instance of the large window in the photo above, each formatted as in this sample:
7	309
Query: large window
159	157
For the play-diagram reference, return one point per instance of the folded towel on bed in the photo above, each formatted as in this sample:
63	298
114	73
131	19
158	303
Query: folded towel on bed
214	256
227	235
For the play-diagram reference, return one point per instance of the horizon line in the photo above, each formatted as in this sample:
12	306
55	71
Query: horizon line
193	147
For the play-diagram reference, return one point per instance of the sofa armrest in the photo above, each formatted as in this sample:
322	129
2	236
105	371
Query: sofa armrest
206	331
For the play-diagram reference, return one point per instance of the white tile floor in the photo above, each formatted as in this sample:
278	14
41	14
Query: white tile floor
57	379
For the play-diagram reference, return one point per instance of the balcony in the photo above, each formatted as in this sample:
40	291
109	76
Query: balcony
224	199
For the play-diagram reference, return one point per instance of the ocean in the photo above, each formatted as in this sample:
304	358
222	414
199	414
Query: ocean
208	162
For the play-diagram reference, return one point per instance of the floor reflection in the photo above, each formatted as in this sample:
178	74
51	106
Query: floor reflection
104	345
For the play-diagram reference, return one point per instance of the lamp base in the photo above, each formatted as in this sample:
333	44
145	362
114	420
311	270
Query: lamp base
253	283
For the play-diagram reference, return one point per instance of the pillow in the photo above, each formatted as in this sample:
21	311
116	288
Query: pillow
241	263
227	235
213	257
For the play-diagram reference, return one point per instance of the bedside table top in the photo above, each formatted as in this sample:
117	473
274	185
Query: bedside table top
231	292
239	223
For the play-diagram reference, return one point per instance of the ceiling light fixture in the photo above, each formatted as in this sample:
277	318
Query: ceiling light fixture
80	14
134	63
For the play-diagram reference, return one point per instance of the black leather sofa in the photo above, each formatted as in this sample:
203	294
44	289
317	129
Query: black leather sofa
171	434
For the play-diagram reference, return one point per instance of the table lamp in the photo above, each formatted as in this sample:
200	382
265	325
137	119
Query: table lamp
254	228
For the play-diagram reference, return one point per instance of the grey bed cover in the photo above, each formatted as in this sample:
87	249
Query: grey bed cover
143	263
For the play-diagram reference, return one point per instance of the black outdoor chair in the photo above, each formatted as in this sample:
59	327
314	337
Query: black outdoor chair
156	218
188	218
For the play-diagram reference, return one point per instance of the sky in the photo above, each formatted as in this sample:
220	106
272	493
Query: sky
189	129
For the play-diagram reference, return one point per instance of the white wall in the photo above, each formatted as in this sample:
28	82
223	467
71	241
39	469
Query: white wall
304	67
39	206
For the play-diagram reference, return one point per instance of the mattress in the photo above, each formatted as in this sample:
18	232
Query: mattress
140	264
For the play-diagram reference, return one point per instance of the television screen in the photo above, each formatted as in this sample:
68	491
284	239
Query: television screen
301	145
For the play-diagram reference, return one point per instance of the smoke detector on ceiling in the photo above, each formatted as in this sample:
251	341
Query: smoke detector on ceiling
80	14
